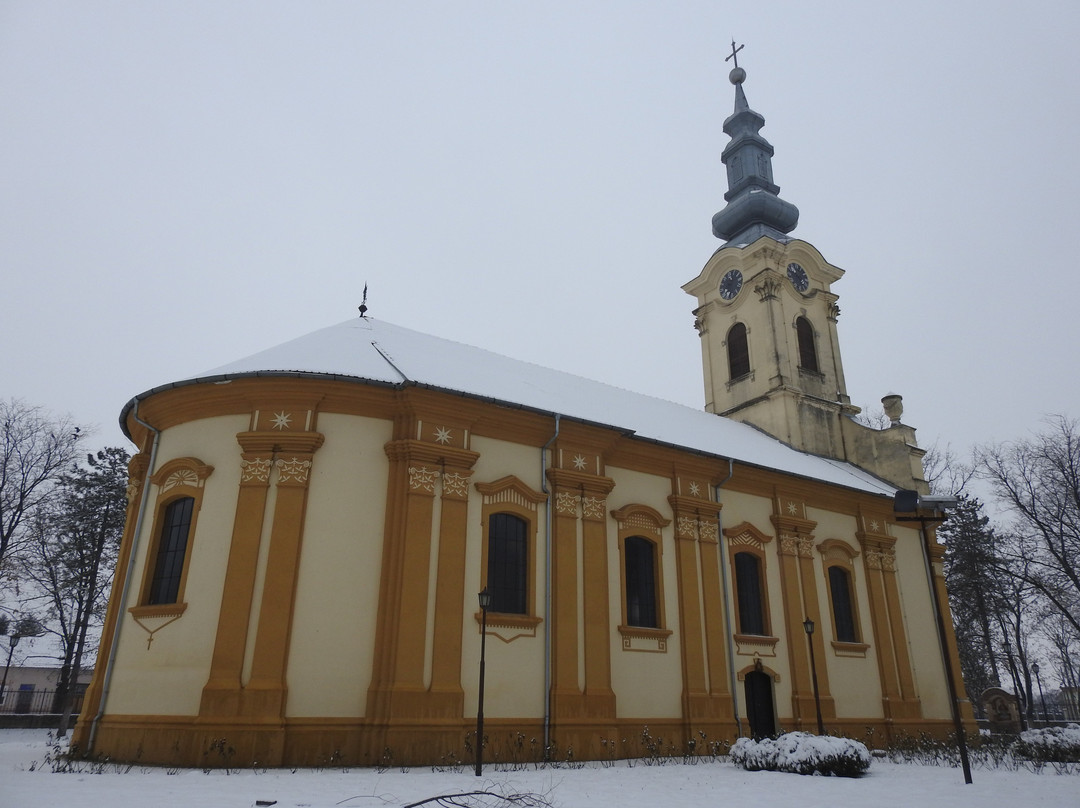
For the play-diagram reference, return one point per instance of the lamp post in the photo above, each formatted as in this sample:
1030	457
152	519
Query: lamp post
485	603
1042	699
808	627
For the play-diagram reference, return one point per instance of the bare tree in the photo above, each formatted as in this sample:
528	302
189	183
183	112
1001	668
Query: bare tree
75	539
36	448
1038	480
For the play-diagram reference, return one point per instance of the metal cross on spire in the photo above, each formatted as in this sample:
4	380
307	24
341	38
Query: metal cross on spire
734	53
363	303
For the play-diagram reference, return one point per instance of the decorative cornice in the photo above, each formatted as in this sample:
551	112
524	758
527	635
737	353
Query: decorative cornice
421	452
640	518
269	442
769	288
511	489
294	471
255	470
746	533
881	559
455	486
422	479
181	472
580	481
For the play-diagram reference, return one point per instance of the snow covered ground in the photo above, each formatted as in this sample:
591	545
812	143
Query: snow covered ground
24	783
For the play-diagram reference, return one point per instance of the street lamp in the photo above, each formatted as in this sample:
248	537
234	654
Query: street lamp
485	603
808	627
1042	699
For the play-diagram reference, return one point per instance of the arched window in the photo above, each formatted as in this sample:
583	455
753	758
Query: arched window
508	563
751	603
640	582
171	550
842	608
807	348
738	351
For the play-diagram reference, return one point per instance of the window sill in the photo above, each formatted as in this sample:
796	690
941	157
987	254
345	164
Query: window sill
157	610
644	638
755	645
508	627
850	649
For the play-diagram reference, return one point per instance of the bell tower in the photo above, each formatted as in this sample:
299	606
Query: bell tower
765	311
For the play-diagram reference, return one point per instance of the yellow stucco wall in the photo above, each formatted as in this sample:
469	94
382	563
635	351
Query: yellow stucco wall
168	676
333	638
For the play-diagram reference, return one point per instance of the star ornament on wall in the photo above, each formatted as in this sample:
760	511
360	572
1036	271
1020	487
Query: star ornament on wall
792	508
695	489
442	435
579	462
282	420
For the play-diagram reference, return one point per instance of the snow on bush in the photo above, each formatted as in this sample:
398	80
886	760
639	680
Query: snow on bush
1050	745
802	753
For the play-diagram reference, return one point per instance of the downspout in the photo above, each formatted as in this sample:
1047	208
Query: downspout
727	602
110	662
547	588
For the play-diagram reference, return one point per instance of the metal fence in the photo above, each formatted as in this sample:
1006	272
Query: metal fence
36	702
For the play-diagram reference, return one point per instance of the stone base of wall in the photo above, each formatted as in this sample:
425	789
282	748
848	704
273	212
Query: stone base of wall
187	742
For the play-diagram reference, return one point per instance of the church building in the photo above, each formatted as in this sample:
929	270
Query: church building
309	528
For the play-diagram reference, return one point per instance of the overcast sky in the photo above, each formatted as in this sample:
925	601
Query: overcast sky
183	184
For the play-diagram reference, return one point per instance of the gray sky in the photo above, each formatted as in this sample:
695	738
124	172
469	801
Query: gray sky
183	184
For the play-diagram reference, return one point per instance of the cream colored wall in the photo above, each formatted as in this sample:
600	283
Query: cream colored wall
920	624
514	685
332	643
854	681
167	678
647	684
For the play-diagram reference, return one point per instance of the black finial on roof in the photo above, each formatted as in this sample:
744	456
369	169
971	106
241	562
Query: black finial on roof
363	303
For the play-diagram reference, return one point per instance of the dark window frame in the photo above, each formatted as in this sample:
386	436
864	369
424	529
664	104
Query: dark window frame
738	352
750	594
841	594
171	552
808	358
640	558
508	563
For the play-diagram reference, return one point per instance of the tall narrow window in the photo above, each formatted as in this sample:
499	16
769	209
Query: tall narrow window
508	564
749	591
171	550
843	613
738	352
807	348
640	582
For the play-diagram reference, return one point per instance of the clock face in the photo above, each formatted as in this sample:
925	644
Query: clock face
731	284
797	275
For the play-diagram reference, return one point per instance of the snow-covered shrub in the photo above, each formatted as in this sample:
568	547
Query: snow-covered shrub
1050	745
802	753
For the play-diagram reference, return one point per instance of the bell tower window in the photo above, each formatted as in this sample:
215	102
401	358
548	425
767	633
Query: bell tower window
738	352
807	346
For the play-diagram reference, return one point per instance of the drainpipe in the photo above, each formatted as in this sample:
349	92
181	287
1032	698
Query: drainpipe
727	602
547	588
110	662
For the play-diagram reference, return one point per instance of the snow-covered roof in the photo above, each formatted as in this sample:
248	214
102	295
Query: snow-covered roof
368	350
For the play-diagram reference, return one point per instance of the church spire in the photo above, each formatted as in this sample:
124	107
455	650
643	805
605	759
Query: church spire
754	208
